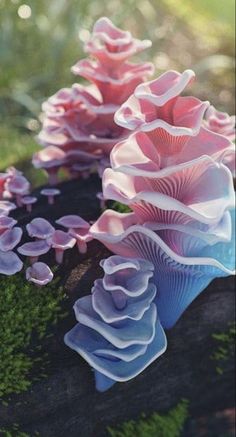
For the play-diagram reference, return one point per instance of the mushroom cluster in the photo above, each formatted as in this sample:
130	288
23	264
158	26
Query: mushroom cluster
171	172
78	128
46	237
118	331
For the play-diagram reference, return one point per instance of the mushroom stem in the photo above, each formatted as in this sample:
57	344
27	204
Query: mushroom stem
85	174
82	246
50	199
29	208
52	176
18	200
59	254
33	259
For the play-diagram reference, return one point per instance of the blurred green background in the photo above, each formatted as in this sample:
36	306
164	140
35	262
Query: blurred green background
41	39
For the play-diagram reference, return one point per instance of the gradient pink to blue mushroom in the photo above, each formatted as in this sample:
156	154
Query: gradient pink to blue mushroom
118	330
171	173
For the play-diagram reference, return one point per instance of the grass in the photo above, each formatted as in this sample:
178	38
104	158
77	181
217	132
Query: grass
170	424
26	311
225	347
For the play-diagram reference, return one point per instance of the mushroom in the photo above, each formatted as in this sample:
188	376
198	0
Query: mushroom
78	228
3	177
40	229
34	249
6	207
10	263
18	186
102	199
28	201
10	238
39	273
61	241
50	159
6	223
50	193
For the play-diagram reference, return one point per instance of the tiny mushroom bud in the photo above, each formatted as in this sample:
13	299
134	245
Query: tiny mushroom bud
102	199
78	228
6	207
40	228
50	159
18	186
61	241
39	273
10	263
28	201
50	193
10	238
34	249
6	223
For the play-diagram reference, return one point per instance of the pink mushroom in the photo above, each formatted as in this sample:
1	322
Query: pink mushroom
81	169
50	159
50	193
40	229
10	263
61	241
6	223
78	228
10	238
28	202
18	186
102	199
39	273
3	177
34	249
6	207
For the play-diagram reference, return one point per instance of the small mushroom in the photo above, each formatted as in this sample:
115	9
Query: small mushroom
6	223
18	186
40	229
34	249
10	263
50	159
29	201
61	241
10	238
82	170
102	199
39	273
6	207
78	228
50	193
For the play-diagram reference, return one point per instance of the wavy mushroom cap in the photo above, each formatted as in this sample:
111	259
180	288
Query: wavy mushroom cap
62	240
10	263
39	273
49	157
73	222
34	248
18	185
10	238
40	228
6	207
118	333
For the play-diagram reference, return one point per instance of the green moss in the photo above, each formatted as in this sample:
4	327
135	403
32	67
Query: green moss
15	432
169	425
26	311
119	207
225	347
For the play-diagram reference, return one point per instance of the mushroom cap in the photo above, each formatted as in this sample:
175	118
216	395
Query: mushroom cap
50	192
40	228
73	222
34	248
29	200
10	238
62	240
10	263
50	157
7	222
39	273
18	185
6	207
